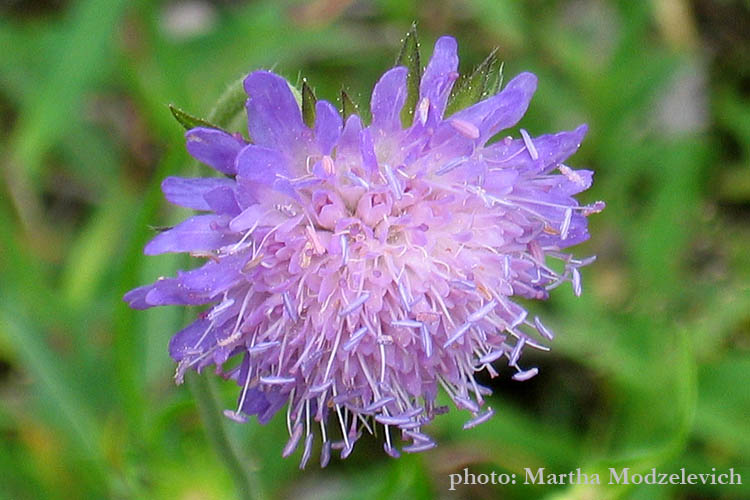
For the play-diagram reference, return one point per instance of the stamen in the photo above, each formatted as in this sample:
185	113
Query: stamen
466	404
219	308
484	311
358	180
262	347
276	380
344	249
423	110
375	406
355	338
328	165
391	420
325	454
390	450
543	330
317	389
404	296
409	323
458	333
307	451
466	285
291	445
572	175
313	237
419	447
479	419
525	374
467	129
576	282
355	304
237	417
426	340
516	352
392	181
529	145
289	306
491	356
451	165
566	223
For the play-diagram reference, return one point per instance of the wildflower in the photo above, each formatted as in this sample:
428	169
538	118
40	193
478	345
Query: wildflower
355	269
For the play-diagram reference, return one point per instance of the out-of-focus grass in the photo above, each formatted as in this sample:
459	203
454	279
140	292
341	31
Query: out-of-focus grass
649	368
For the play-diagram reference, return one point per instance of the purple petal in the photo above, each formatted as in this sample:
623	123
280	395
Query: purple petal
259	167
136	298
440	73
214	277
222	200
215	148
367	150
189	192
274	117
328	126
171	291
502	110
200	233
388	98
552	149
192	339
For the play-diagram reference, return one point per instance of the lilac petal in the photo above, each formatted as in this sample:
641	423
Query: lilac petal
388	98
274	117
510	106
256	214
261	169
213	277
189	192
502	110
440	74
223	201
367	150
136	298
200	233
347	150
171	291
192	339
328	126
553	149
215	148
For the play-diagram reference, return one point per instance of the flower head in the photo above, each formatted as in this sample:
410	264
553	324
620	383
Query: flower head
353	270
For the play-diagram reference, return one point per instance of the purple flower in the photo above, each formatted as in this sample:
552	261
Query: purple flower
353	270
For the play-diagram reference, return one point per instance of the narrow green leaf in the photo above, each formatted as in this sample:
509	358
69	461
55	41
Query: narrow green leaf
494	79
409	57
471	88
348	107
308	104
189	121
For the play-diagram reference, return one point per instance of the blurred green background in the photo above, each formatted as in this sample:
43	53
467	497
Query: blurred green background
650	367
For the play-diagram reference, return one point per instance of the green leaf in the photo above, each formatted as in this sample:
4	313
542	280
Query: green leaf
348	107
409	57
494	79
471	88
189	121
308	104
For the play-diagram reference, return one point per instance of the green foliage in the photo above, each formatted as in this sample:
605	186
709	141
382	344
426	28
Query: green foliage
189	121
648	366
408	56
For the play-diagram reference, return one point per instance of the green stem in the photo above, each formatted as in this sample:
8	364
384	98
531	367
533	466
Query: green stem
241	469
241	466
229	105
